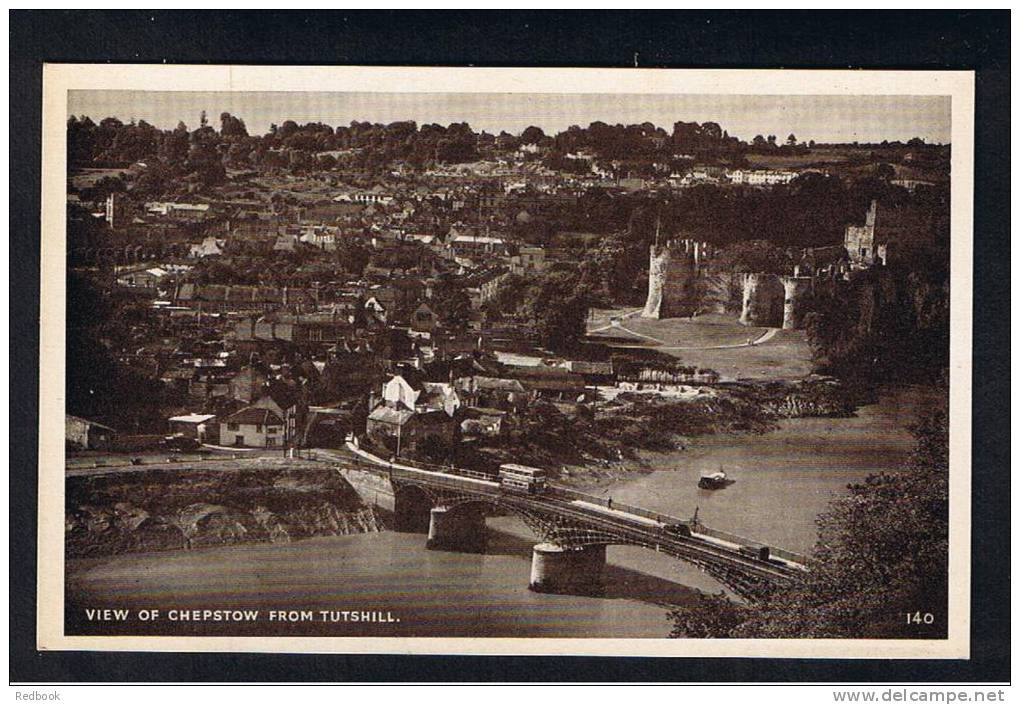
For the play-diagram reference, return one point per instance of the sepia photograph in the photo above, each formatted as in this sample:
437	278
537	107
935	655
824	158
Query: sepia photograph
661	364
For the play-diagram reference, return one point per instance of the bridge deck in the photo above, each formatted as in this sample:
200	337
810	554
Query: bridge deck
637	524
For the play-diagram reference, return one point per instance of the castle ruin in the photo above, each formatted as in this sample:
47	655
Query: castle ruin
674	271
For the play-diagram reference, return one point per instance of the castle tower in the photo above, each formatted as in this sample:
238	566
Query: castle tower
673	269
793	302
763	301
859	240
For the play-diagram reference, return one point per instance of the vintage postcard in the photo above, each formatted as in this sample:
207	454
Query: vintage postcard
506	361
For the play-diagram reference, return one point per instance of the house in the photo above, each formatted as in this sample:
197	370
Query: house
409	391
528	260
209	247
424	321
177	210
493	392
143	278
885	234
401	429
412	410
253	427
83	434
480	421
308	329
285	402
482	286
197	426
247	384
762	177
387	423
328	427
551	383
286	242
593	372
243	298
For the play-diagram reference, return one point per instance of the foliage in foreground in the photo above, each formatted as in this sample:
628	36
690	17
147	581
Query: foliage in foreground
881	558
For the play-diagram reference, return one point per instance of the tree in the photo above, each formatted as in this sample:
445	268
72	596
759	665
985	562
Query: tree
231	126
532	135
792	140
882	553
510	295
452	304
886	172
559	310
352	256
712	616
434	449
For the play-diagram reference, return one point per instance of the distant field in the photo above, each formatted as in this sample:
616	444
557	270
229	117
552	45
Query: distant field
302	189
779	161
87	178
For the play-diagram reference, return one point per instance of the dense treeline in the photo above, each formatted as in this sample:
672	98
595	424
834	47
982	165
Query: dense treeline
314	144
98	385
201	154
812	211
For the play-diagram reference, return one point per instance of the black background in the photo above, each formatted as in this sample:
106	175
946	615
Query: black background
789	39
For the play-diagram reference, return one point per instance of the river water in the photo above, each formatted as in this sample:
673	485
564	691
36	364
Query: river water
783	479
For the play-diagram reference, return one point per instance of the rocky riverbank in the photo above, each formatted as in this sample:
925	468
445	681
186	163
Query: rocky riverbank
163	509
586	448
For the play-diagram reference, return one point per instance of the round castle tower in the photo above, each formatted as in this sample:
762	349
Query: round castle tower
793	301
763	300
673	269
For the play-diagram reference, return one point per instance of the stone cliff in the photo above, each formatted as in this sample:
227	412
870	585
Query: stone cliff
182	509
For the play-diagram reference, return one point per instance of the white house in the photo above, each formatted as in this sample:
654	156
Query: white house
209	247
192	425
416	396
252	427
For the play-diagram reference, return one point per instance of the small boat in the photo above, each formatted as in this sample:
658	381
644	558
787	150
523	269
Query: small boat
714	480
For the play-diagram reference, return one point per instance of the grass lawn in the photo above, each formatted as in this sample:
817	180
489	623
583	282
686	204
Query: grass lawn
703	332
784	356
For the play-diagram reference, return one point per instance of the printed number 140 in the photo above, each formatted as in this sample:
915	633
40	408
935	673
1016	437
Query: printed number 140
920	618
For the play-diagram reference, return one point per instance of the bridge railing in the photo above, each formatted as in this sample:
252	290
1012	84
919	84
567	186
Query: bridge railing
744	541
698	527
628	508
450	481
446	469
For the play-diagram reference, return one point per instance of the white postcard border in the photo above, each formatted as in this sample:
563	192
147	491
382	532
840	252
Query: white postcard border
58	79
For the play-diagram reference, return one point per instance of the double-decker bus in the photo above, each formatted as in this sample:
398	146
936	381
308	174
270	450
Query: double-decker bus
521	478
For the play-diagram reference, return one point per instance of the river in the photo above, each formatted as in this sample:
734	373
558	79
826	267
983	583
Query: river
783	479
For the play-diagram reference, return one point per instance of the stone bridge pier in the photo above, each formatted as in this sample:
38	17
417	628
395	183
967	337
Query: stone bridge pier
458	529
568	570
